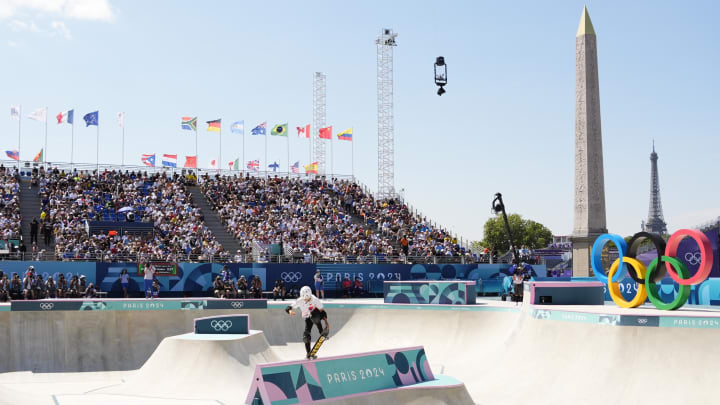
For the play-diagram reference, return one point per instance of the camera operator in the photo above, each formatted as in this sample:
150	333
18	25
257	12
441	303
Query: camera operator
519	276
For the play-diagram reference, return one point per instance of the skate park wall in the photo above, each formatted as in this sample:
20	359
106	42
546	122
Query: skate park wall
430	292
340	376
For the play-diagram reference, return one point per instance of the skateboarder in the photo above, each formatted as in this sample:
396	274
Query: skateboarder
312	311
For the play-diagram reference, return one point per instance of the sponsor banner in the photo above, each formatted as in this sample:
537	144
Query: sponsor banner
336	377
429	292
223	325
163	269
236	304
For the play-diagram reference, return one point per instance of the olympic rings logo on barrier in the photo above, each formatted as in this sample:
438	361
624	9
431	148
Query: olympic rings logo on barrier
237	304
46	306
647	278
221	325
291	277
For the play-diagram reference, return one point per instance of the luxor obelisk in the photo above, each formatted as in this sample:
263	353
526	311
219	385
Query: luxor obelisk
589	213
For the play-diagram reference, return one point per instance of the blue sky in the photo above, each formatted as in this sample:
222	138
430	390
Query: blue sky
505	124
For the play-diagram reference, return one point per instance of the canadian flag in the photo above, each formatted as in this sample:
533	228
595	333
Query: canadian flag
191	161
304	131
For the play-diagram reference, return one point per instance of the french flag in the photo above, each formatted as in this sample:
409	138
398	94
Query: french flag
169	160
148	160
65	117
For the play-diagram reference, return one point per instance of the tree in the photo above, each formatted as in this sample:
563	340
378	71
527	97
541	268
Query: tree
524	231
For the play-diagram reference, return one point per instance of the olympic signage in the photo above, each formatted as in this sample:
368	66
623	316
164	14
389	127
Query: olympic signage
665	263
223	324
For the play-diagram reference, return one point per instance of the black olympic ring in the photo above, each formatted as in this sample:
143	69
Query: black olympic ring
659	244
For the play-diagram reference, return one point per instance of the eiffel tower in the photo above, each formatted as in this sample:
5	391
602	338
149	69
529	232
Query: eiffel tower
655	222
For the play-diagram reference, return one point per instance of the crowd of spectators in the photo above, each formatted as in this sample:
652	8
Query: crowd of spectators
31	286
10	218
68	200
327	219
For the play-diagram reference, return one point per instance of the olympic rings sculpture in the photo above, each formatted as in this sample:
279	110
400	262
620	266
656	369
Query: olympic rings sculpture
647	278
221	325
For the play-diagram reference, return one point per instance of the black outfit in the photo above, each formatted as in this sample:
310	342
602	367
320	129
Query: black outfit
34	231
316	316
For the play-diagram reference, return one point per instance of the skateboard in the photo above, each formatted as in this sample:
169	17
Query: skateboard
314	350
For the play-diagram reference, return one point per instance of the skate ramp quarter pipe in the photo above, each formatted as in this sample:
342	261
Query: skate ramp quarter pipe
342	377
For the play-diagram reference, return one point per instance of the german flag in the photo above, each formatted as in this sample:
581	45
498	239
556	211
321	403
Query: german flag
214	126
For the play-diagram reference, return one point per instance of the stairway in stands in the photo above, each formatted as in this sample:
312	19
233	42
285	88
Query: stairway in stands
29	209
212	221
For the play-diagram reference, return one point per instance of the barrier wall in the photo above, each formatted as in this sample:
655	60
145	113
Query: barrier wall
197	277
222	325
430	292
336	377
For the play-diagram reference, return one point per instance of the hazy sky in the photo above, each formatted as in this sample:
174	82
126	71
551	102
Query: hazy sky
505	124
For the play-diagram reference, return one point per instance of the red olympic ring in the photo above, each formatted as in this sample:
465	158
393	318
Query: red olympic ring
706	255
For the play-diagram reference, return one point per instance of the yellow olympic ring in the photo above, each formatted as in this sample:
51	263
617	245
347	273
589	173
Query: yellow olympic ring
641	296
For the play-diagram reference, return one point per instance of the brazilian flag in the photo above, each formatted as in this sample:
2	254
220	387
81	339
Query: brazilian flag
279	130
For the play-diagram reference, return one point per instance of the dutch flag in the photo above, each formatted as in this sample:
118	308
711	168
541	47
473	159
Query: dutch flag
169	160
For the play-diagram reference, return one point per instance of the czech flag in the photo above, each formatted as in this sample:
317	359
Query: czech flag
148	160
13	154
345	135
214	126
65	117
169	160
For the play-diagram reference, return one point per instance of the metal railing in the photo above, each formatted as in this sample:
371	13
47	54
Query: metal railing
243	258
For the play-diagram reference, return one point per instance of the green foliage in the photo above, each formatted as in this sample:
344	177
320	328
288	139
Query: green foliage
524	231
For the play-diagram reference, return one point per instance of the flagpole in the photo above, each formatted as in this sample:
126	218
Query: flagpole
352	154
97	147
332	156
45	150
243	152
288	152
72	140
266	137
122	161
220	150
19	132
197	158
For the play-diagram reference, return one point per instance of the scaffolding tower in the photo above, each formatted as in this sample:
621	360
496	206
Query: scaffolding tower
386	133
319	120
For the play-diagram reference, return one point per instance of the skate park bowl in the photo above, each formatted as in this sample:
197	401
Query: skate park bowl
550	354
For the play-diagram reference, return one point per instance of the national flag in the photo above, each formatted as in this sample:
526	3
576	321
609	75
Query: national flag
235	165
65	117
304	131
213	164
238	127
312	168
189	123
38	157
345	135
325	133
191	162
92	119
121	119
39	115
274	166
214	125
260	129
254	165
148	160
280	130
296	167
15	112
169	160
13	154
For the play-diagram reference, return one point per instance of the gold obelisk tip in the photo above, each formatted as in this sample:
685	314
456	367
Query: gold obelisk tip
586	27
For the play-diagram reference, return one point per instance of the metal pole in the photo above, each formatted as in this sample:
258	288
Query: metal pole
97	148
220	151
72	141
352	152
243	152
197	158
288	153
19	132
122	160
45	150
332	156
266	137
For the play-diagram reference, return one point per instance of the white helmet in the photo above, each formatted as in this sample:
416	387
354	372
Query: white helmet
305	292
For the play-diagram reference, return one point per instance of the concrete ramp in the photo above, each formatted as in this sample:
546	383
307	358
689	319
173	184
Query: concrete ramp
198	367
